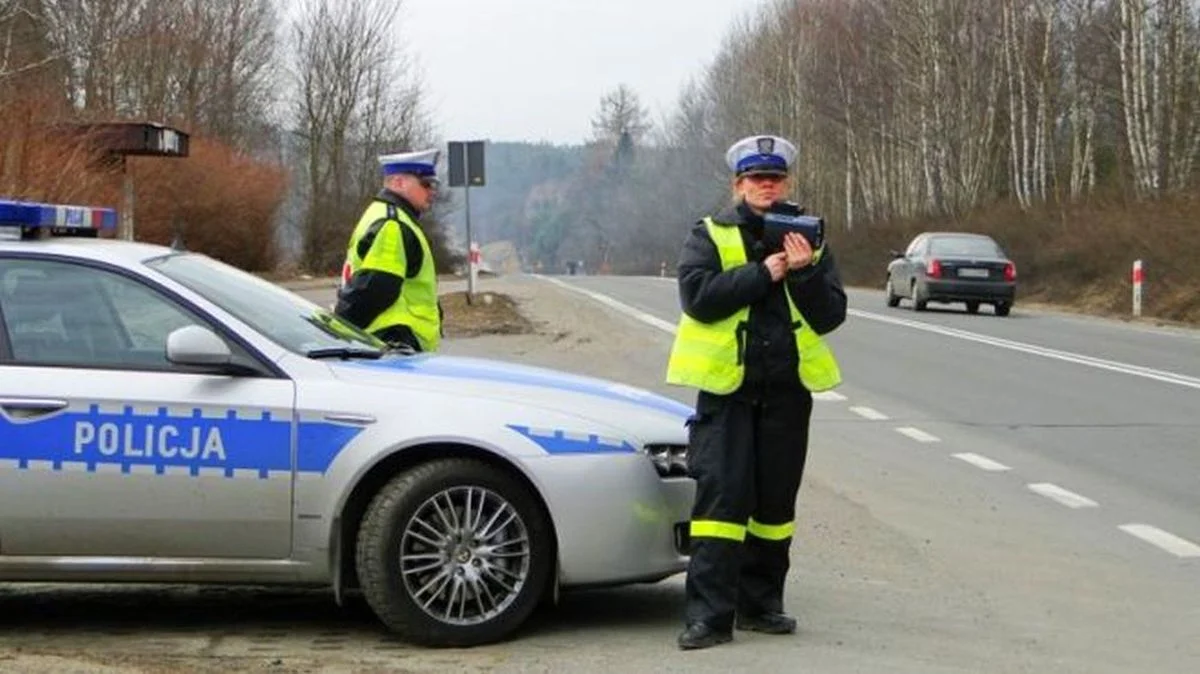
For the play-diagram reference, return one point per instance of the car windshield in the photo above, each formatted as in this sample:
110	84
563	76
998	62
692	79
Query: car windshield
964	246
284	317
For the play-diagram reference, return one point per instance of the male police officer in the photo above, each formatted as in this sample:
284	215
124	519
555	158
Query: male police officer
389	284
755	304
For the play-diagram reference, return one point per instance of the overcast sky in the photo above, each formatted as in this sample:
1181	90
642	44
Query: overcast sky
535	70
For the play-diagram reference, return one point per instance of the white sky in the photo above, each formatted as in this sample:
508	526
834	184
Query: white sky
534	70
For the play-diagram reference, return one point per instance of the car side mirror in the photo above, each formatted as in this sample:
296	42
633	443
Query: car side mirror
197	346
896	255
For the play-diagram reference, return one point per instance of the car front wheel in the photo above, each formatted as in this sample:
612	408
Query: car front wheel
454	553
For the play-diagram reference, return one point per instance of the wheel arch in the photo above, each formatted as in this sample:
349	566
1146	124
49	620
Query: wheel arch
349	518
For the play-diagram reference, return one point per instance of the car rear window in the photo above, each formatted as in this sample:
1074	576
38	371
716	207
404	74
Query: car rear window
972	247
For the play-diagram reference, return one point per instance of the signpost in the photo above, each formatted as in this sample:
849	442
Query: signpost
120	140
466	168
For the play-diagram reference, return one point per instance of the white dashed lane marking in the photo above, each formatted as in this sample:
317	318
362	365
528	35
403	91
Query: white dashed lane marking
1067	498
982	462
917	434
1180	547
1164	540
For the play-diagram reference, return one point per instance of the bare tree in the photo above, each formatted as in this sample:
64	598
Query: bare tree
352	98
1027	41
1158	49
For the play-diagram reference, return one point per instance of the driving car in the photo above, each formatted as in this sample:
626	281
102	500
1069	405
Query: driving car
951	267
167	418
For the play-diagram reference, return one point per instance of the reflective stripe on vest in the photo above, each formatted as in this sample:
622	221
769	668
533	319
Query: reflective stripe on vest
708	356
417	305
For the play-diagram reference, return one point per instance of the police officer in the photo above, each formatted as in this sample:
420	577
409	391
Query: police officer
389	283
756	303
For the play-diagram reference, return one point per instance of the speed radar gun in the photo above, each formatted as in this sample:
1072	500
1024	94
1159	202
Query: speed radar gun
784	217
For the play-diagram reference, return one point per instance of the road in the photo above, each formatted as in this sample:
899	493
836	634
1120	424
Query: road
962	511
1048	464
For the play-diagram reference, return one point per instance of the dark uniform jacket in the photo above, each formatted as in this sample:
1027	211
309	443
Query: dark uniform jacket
708	295
371	291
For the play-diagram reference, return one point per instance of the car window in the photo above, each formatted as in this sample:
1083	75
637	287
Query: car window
914	248
282	316
963	246
59	313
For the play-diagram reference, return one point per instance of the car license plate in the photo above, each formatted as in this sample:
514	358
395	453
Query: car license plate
973	273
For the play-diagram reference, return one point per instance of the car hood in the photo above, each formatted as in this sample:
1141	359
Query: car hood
644	413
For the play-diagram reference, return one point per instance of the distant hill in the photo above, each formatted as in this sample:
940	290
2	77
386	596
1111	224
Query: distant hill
513	172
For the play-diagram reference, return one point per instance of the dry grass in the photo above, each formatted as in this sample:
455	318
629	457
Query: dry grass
489	313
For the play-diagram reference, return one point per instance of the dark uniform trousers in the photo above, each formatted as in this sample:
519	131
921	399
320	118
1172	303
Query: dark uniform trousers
747	458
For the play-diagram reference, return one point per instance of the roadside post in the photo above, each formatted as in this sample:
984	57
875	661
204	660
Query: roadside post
1138	276
474	257
465	161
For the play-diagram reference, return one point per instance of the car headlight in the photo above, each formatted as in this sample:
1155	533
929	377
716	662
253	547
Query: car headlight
668	460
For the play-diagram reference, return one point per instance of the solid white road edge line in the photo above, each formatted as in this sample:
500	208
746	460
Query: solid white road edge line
653	321
982	462
1180	547
1067	498
1066	356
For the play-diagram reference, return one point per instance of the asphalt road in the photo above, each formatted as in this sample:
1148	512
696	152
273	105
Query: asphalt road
962	511
1047	464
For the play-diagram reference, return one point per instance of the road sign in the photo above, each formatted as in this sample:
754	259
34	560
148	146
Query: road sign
465	161
466	164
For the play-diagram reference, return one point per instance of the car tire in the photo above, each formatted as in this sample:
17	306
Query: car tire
1003	308
437	580
972	307
892	298
918	299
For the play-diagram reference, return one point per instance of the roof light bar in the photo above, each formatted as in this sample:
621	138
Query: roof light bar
32	219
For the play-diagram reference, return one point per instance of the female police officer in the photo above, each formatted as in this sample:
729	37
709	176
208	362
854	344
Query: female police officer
756	300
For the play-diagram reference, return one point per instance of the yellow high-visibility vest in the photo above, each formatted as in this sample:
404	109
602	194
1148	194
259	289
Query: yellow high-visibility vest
709	356
417	306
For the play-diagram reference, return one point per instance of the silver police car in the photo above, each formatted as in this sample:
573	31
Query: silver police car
165	417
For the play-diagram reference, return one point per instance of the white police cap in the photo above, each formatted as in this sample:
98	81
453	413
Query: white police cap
761	154
422	163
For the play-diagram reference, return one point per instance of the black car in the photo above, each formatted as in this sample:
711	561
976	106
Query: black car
950	267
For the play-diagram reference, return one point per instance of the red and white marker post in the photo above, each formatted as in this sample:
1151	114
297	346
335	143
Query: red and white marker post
474	257
1138	276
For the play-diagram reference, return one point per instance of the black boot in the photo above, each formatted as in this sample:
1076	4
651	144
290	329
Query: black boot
767	623
700	635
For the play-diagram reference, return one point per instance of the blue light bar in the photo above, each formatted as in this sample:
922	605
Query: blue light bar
32	215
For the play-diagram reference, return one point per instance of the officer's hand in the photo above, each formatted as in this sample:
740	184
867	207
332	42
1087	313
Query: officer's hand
799	253
777	265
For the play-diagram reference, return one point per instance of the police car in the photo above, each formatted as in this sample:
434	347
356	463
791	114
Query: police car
165	417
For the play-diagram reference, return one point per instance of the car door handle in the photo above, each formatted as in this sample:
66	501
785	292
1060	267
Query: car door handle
30	408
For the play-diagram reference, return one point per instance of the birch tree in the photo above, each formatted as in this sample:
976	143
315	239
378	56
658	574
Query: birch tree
1027	42
1160	84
